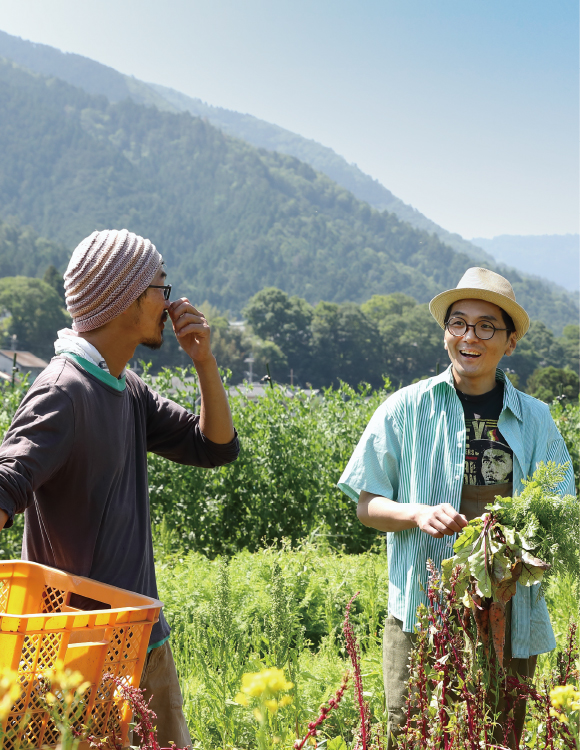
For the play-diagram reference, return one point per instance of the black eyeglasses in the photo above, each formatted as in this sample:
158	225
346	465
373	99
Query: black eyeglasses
483	329
166	289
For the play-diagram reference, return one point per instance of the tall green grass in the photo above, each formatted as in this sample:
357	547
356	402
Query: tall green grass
221	631
299	594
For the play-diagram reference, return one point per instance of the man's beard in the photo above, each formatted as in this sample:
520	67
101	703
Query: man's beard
155	344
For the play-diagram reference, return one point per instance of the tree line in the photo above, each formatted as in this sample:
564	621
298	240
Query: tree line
307	345
388	336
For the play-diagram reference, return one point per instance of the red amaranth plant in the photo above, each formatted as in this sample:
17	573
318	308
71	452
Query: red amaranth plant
450	703
142	714
324	710
353	650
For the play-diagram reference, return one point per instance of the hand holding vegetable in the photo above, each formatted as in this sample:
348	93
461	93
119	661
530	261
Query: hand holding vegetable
440	520
518	540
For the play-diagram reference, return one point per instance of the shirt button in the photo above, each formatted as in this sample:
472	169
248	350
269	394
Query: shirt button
457	477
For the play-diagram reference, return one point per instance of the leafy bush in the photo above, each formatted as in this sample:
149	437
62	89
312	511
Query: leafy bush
552	383
293	450
567	418
282	485
10	398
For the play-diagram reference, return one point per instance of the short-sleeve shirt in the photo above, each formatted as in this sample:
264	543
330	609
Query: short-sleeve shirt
413	451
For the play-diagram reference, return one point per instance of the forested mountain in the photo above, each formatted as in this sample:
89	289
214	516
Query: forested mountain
228	218
96	78
24	253
553	256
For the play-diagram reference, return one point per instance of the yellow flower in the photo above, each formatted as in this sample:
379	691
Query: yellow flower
270	681
69	684
65	680
10	692
285	700
241	699
561	717
271	705
565	696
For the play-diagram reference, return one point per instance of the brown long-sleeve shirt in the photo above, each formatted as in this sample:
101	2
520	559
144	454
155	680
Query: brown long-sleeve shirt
75	461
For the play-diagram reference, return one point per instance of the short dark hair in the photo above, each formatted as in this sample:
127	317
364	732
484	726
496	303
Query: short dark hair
507	320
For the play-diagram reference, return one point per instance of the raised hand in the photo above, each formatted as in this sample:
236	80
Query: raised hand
191	329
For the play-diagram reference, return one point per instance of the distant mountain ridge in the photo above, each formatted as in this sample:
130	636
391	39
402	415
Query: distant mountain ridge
551	256
96	78
228	218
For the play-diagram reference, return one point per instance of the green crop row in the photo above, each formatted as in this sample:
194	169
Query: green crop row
294	448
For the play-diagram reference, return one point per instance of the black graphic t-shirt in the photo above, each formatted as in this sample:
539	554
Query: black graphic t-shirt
488	458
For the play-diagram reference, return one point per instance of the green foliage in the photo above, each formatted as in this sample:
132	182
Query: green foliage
229	219
55	280
282	607
282	485
549	523
455	688
570	343
318	582
344	344
218	653
539	348
293	450
285	321
551	383
520	539
36	313
24	253
96	78
10	398
567	419
387	335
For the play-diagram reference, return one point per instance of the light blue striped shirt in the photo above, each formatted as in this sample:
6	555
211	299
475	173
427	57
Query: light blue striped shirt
413	451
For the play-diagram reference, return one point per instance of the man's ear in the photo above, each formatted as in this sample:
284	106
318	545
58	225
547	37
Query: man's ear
511	345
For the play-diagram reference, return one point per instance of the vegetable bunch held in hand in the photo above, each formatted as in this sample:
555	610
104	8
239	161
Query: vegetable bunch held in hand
518	540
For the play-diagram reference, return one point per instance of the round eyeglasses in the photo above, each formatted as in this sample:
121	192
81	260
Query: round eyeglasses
483	329
166	289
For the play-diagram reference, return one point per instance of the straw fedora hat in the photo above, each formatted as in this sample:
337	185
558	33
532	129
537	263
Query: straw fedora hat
481	283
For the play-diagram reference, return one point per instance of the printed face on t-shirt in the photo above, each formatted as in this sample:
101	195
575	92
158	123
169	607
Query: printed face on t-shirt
496	466
488	457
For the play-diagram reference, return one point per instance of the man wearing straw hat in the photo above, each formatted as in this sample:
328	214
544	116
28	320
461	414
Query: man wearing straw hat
75	456
436	452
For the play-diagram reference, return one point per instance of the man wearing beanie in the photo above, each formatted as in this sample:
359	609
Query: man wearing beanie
435	453
75	457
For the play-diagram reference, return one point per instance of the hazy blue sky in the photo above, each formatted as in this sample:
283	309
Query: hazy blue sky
467	109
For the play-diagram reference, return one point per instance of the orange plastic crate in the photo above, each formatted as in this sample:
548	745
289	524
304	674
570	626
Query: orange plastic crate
39	627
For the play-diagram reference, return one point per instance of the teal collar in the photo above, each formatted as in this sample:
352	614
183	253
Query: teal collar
118	384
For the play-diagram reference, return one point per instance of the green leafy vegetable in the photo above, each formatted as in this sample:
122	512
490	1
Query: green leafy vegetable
520	539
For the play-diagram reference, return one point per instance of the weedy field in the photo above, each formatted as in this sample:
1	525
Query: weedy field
257	562
285	608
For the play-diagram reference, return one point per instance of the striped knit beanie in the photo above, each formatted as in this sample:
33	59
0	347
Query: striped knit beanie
106	274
